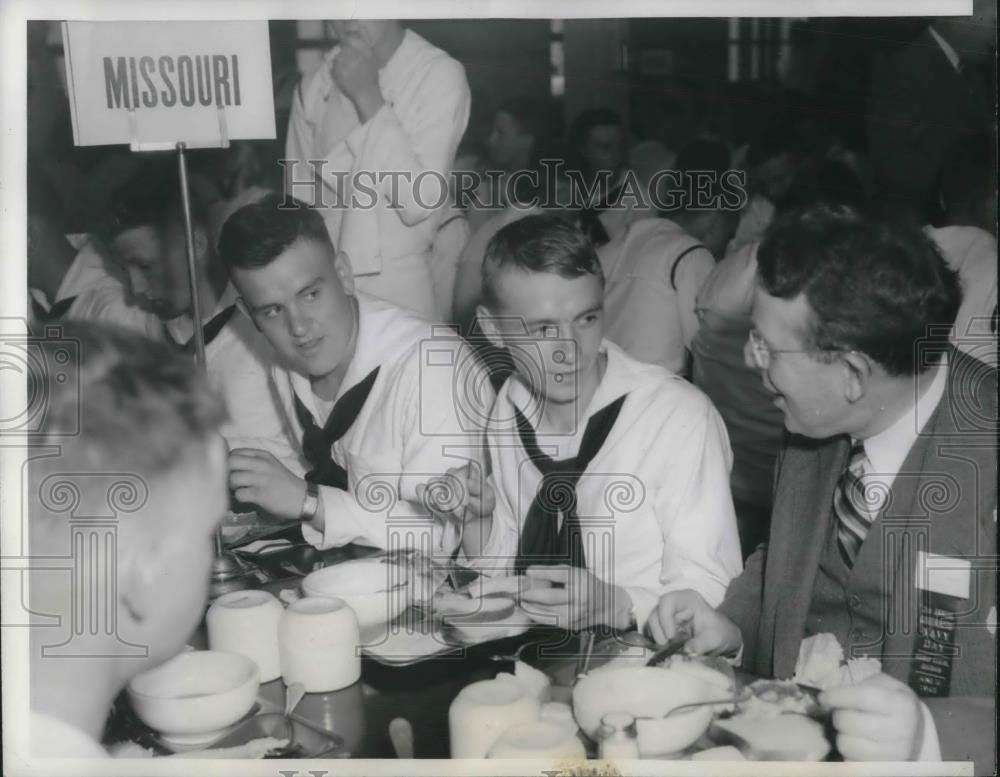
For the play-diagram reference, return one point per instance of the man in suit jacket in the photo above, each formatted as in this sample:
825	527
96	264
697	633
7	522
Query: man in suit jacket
884	524
923	98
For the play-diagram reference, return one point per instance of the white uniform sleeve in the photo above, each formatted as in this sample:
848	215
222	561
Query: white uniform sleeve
691	275
299	149
695	509
437	431
426	146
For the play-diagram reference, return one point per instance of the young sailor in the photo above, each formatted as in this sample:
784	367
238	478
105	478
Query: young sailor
610	475
380	400
144	234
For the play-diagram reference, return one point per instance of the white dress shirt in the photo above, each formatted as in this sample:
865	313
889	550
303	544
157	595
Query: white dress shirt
416	131
424	416
645	314
657	493
886	452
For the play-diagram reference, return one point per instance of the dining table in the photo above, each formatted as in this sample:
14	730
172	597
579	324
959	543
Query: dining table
359	715
420	690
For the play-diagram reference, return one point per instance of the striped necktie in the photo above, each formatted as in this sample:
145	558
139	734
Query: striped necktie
854	516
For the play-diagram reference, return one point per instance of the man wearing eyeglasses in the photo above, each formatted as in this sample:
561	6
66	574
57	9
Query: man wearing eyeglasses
884	524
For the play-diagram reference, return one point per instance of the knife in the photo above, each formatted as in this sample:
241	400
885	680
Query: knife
674	646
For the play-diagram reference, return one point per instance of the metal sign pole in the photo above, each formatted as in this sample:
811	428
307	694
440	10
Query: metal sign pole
228	573
199	335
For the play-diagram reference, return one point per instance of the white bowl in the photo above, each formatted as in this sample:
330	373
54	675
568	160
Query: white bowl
364	584
648	693
194	696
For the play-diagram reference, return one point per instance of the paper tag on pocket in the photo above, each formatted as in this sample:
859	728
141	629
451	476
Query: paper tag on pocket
946	575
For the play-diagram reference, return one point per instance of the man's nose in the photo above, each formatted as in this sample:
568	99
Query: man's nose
566	348
298	324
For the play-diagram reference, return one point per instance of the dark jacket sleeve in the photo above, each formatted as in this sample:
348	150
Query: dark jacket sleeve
742	604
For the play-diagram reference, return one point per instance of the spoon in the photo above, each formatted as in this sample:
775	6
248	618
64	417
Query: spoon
737	699
293	695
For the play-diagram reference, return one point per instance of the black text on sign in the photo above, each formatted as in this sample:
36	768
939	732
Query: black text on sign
145	82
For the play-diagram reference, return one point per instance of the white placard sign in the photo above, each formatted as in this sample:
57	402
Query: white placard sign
154	84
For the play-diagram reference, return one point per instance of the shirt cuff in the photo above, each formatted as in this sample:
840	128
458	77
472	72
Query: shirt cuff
930	746
313	537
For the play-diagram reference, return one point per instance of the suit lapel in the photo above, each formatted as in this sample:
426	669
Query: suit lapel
798	542
930	510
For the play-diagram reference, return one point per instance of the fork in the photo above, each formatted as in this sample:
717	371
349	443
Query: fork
453	568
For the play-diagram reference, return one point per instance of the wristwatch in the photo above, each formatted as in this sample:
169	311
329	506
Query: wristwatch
310	504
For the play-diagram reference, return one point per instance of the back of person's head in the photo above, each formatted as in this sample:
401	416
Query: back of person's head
704	154
580	129
776	141
133	435
701	165
128	404
258	233
542	243
874	286
710	207
152	198
831	182
534	117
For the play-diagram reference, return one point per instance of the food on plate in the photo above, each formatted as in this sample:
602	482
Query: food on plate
821	664
775	737
481	620
503	585
857	670
475	633
771	698
696	667
819	661
455	608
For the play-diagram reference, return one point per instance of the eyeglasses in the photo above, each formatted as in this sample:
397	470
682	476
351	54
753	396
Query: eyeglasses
761	352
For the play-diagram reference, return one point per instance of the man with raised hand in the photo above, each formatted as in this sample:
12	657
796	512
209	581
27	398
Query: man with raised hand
380	400
609	476
371	140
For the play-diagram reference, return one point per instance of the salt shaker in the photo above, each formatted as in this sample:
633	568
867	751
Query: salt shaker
618	737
